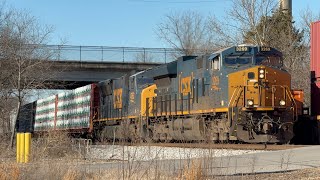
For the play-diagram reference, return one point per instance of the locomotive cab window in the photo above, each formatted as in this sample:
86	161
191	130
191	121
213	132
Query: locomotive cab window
215	64
269	60
237	60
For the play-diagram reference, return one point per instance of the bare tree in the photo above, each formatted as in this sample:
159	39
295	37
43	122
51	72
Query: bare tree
192	33
244	16
307	17
187	31
23	62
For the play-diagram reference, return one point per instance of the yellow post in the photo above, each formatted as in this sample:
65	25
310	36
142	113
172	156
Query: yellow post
21	147
18	147
27	144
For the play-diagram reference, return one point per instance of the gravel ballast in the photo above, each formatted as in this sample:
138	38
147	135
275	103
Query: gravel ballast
146	153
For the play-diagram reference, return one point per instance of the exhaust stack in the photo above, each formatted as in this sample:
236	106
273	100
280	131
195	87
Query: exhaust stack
286	6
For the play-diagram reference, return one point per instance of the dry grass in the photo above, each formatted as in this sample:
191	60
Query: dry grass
193	172
9	171
5	152
45	156
54	145
71	175
53	158
54	170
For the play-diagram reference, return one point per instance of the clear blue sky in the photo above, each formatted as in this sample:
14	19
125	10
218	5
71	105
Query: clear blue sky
130	23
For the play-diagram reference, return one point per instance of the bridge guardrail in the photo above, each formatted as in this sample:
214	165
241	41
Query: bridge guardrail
114	54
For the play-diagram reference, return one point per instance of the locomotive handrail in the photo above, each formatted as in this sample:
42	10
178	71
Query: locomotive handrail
294	102
237	91
287	93
231	102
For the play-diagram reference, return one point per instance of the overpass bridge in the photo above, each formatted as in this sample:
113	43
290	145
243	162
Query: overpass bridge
73	74
80	65
76	66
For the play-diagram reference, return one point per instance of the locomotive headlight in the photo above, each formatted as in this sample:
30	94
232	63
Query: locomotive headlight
250	102
261	76
282	103
262	73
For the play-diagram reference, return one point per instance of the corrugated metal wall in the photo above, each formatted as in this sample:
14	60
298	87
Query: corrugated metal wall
45	114
73	110
66	111
315	68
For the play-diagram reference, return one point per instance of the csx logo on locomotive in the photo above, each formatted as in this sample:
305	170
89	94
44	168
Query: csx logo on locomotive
185	86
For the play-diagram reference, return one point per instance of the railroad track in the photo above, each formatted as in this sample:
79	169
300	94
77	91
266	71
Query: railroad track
270	147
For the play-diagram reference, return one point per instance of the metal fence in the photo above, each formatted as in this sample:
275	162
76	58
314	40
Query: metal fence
113	54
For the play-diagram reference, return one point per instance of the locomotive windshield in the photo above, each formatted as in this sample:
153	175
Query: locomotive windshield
269	60
237	60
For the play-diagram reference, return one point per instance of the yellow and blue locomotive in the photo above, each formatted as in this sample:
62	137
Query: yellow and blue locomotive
239	93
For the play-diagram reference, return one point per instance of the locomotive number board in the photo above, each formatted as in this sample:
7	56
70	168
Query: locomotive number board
242	49
265	49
